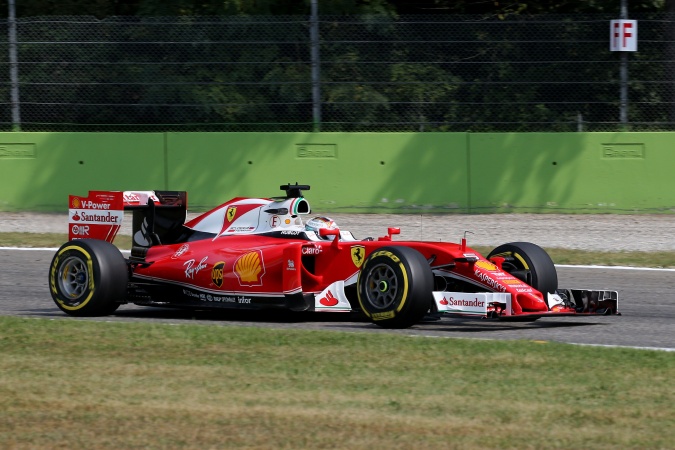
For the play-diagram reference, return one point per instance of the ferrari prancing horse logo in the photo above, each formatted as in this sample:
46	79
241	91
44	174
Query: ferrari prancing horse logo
358	255
231	212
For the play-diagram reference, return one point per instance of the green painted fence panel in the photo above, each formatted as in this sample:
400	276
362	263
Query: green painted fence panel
347	172
572	172
352	172
39	170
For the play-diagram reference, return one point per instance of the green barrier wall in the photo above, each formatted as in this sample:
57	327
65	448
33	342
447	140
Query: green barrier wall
39	170
357	172
572	172
369	172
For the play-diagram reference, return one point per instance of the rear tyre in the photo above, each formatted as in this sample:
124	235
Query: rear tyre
529	263
394	287
88	277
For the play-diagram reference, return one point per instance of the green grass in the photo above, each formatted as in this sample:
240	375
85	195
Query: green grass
80	384
559	256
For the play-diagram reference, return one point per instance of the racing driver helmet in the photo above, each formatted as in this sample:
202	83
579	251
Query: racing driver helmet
317	223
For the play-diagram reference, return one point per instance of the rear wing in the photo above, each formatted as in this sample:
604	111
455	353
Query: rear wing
157	215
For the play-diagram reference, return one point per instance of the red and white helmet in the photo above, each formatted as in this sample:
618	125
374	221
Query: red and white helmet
320	222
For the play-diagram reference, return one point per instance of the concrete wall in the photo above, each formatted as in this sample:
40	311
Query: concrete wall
351	172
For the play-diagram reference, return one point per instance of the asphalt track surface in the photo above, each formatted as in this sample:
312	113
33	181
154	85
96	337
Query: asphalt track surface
646	303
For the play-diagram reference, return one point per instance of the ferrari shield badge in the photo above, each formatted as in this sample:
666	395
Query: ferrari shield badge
358	255
231	212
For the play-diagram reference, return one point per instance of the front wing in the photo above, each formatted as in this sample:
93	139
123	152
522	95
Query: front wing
565	302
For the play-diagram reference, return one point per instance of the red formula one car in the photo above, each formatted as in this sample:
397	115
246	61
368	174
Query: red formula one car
258	253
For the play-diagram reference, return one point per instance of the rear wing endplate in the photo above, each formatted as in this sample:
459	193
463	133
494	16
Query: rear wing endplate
99	215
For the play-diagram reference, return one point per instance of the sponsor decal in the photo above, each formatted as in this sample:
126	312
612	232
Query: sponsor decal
215	298
217	273
80	230
512	281
275	221
291	265
290	233
131	198
383	315
311	250
486	265
99	218
240	229
76	203
389	255
485	278
329	300
88	204
191	269
461	302
141	236
250	268
231	212
358	253
287	221
183	248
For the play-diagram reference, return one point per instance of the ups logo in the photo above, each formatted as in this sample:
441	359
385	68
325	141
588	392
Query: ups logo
217	275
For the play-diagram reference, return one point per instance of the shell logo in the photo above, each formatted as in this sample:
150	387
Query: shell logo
486	265
250	268
76	202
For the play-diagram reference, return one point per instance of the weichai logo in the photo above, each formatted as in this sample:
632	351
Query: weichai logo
217	273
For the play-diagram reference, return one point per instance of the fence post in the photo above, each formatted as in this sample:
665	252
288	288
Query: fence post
13	67
623	75
316	65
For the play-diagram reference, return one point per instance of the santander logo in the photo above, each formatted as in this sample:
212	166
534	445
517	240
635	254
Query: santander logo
329	300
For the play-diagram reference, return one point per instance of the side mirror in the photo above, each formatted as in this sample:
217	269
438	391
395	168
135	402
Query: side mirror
390	232
331	232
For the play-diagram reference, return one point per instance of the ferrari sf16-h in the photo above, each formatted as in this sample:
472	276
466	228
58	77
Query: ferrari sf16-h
259	253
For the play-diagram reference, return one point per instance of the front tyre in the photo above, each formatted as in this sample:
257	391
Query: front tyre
529	263
394	287
88	277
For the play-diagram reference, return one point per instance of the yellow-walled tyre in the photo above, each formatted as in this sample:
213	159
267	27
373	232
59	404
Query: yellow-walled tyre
395	287
529	263
88	277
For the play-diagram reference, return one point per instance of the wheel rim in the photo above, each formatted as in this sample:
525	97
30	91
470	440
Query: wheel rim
381	286
73	278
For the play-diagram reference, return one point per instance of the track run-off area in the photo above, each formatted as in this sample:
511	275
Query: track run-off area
646	303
